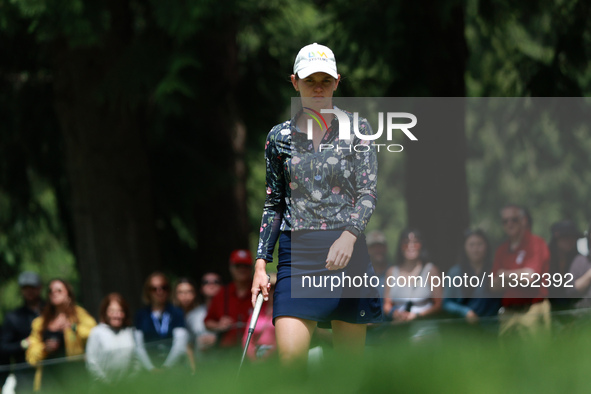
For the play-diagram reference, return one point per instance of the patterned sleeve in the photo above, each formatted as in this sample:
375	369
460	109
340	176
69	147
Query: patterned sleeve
274	201
366	178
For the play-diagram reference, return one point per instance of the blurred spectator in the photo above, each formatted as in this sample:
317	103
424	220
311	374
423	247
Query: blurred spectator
160	325
583	243
229	310
17	328
4	362
211	284
378	253
563	252
263	343
110	350
407	297
186	297
526	311
466	301
61	330
581	271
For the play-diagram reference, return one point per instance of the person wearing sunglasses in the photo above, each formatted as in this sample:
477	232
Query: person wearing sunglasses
229	310
60	331
518	261
161	335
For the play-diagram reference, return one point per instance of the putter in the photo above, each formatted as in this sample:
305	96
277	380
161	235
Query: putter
253	323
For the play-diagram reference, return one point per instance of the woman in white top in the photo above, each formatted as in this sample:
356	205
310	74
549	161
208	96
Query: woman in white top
186	298
110	349
408	294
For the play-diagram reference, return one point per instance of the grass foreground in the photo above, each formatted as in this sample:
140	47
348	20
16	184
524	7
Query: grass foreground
458	361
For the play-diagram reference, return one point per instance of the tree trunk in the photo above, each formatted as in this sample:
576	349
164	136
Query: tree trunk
436	188
222	225
108	170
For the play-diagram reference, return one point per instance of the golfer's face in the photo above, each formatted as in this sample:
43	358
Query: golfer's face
316	90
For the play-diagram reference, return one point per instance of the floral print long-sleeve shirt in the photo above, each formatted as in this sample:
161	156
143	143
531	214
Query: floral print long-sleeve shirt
328	189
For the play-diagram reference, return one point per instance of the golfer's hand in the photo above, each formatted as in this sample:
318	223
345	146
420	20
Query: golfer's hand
260	281
341	251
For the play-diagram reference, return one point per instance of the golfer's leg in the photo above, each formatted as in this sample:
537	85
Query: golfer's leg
293	339
348	338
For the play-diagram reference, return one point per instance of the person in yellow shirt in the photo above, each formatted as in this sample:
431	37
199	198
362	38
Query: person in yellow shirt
60	331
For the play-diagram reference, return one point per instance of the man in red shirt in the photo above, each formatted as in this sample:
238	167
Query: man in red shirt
519	265
229	310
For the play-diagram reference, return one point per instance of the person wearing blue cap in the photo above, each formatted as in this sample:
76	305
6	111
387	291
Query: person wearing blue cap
14	337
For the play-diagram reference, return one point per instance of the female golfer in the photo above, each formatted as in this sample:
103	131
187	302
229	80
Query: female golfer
318	203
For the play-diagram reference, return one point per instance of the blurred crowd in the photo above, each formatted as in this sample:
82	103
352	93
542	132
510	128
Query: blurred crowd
515	289
180	326
184	324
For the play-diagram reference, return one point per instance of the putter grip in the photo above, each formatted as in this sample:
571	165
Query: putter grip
256	311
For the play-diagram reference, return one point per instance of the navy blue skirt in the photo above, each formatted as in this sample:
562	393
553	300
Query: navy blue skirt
307	290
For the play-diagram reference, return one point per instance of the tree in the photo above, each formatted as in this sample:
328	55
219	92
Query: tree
419	51
530	50
149	101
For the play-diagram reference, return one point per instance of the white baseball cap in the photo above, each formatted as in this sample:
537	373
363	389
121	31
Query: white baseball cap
315	58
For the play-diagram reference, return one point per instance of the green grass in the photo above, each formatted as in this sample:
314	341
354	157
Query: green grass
456	362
